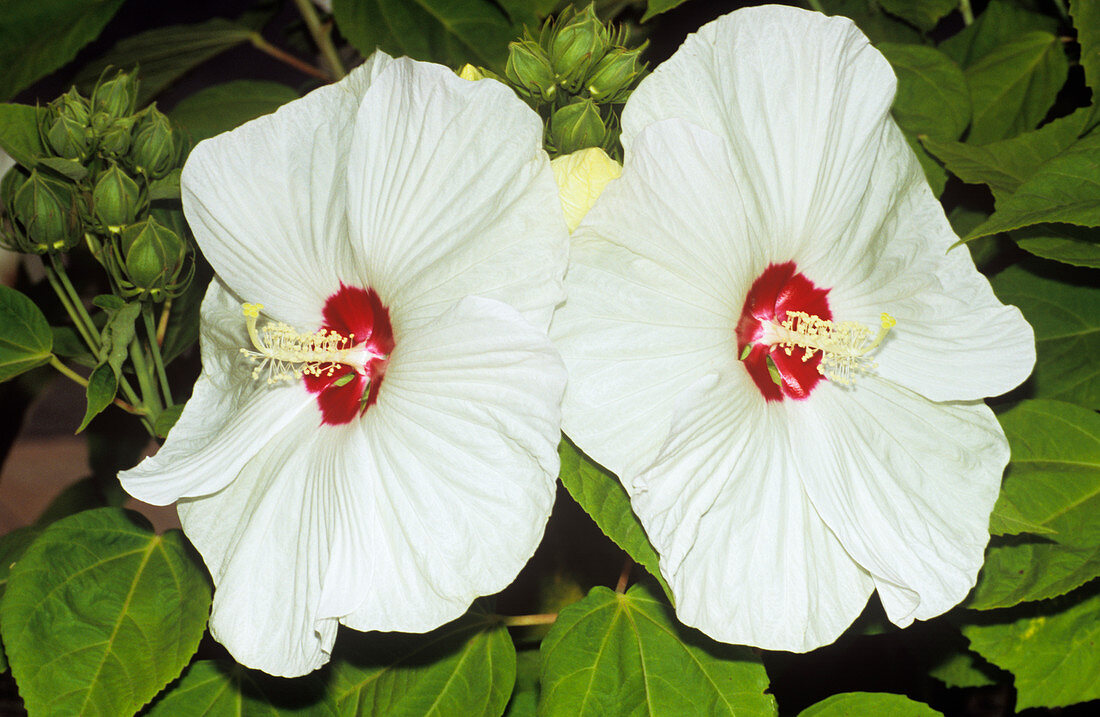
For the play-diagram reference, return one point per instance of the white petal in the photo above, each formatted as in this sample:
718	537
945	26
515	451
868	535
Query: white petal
228	419
453	196
457	467
267	201
802	101
266	539
907	485
655	286
747	557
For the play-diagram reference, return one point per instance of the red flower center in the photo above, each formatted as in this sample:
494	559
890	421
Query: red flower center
781	288
350	390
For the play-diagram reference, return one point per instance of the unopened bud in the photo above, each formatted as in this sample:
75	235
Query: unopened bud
116	199
116	138
117	96
576	126
154	150
612	77
47	211
577	46
528	68
152	257
66	126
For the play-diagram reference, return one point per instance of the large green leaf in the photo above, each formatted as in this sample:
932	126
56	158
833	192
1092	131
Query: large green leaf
1086	19
1066	319
25	337
225	689
924	14
1000	22
525	697
603	497
1052	482
452	32
1013	87
656	7
165	53
1053	656
1008	163
932	98
858	704
101	613
222	107
12	547
625	654
1065	189
964	669
467	667
39	36
19	135
1069	244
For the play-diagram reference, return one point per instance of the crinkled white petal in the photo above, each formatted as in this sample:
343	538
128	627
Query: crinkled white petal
226	422
653	295
457	469
907	485
453	196
268	200
742	548
801	100
266	538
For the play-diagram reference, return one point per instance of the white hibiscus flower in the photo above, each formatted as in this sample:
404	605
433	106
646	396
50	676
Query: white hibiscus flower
401	238
727	337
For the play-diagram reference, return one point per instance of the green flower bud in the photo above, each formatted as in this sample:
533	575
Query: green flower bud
154	150
612	77
528	69
47	210
10	183
117	97
115	139
117	199
577	46
576	126
152	258
66	126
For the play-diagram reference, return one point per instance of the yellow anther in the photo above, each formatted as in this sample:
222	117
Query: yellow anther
285	354
843	345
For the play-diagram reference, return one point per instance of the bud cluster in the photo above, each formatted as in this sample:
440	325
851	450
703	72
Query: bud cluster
100	158
574	73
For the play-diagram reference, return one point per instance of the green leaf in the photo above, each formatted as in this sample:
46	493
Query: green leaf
932	98
26	341
12	547
603	497
451	32
19	135
877	25
167	187
1066	189
1053	656
1086	18
167	418
117	335
1052	481
1007	519
964	669
67	168
924	14
934	173
1079	246
525	697
1000	22
101	613
67	343
220	689
625	654
222	107
1066	319
654	8
166	53
467	667
39	36
858	704
1012	87
85	494
1007	164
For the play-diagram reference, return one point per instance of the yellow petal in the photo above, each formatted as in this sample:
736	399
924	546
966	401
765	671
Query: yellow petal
581	177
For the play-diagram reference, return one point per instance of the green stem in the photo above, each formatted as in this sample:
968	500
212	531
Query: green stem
816	5
266	47
321	36
149	394
154	348
73	375
526	620
91	339
967	12
1061	5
